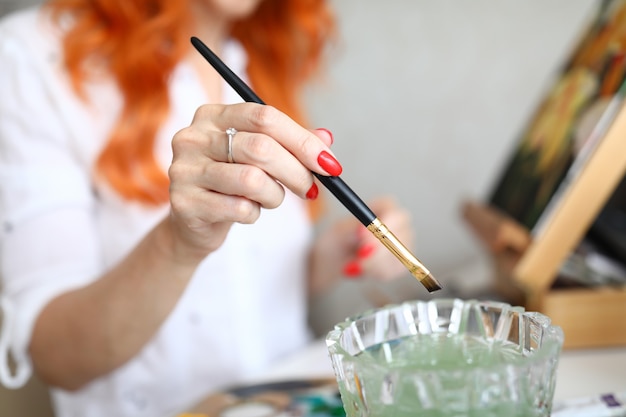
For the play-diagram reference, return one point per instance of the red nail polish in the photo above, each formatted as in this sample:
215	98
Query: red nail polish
329	133
352	269
329	164
365	251
313	192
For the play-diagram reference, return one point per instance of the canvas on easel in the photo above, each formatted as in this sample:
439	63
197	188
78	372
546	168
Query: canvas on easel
568	162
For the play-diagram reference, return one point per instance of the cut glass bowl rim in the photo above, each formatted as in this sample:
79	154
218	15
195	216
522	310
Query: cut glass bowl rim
551	339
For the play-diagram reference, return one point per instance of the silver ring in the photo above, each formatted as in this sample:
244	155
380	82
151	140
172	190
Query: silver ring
231	131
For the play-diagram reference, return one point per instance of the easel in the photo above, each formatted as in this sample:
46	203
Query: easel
526	266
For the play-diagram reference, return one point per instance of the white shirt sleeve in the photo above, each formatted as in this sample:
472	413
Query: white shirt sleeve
48	237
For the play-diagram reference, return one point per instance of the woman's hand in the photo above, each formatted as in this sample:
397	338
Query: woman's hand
208	194
85	333
348	249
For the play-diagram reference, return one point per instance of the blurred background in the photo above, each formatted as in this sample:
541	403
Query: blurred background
426	99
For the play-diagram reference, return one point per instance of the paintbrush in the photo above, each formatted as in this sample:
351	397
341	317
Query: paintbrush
335	185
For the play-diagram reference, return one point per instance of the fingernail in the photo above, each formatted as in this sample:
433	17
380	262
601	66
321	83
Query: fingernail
329	164
352	269
329	133
365	251
313	192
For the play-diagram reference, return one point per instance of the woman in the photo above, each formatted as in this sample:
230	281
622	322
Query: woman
141	269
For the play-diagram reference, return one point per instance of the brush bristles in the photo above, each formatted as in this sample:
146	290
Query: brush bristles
430	283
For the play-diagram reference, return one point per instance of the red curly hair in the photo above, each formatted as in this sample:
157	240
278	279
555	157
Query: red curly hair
140	42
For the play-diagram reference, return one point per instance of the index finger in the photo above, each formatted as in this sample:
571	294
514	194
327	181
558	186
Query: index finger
309	149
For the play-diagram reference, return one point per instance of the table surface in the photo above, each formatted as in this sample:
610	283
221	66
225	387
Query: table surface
581	373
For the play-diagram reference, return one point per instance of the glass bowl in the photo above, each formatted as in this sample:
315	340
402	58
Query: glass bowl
446	357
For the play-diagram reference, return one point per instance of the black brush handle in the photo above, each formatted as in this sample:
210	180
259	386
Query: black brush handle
335	185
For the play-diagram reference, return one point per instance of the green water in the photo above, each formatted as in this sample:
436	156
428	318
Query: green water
443	376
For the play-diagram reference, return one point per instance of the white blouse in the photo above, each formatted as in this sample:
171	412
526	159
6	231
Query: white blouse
244	307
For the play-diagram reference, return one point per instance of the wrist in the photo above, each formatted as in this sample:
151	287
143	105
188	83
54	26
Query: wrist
169	246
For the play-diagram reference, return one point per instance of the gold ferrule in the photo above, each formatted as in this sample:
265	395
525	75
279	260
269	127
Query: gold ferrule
391	242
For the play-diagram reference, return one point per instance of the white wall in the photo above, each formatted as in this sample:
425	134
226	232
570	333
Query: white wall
426	99
8	5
